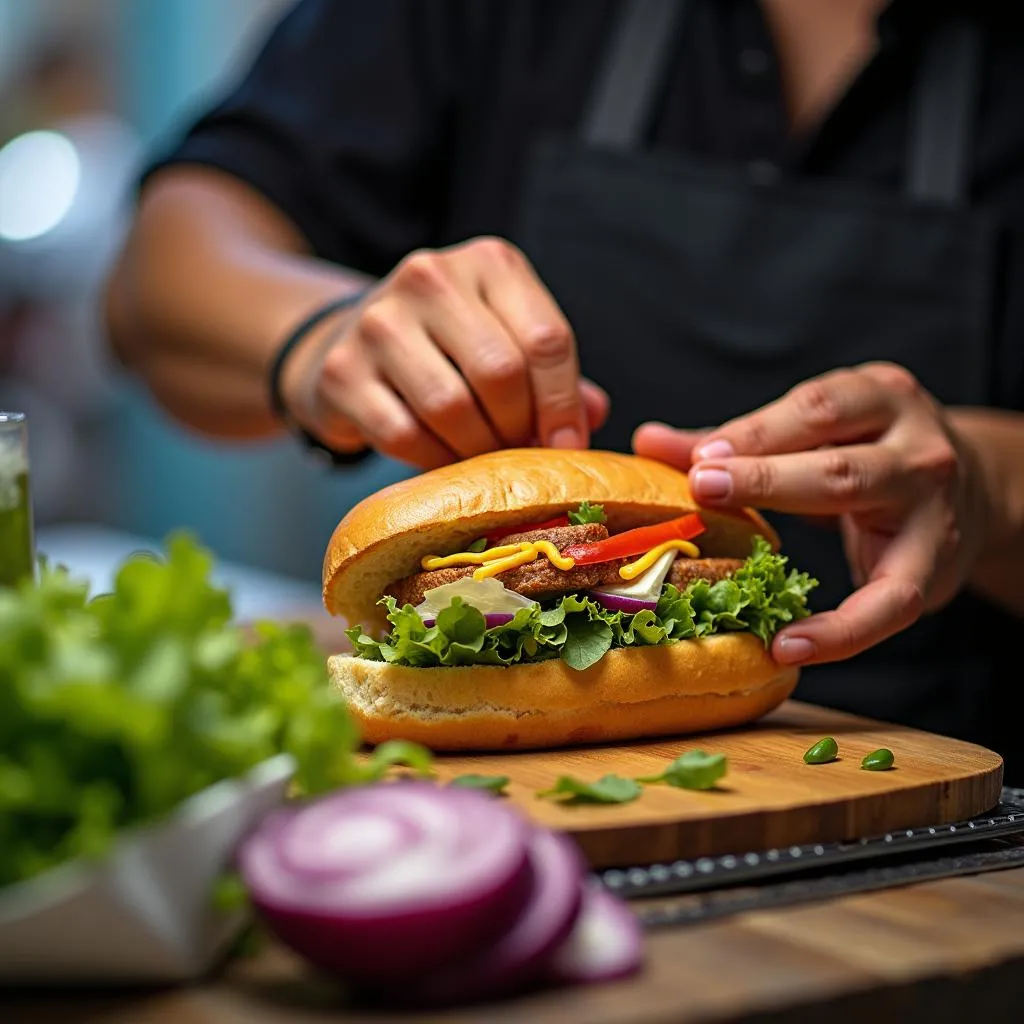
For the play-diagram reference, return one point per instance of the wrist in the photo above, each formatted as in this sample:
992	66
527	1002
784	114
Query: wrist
300	370
992	482
294	371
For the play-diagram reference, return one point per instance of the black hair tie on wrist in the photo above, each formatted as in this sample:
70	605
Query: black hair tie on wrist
277	402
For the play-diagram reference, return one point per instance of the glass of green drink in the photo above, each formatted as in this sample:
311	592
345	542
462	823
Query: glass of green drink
17	543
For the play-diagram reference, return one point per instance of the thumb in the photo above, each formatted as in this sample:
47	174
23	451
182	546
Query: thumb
668	444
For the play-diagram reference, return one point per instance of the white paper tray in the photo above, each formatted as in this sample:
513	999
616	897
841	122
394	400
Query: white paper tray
145	913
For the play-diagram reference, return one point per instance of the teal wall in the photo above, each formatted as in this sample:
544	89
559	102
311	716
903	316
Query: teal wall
267	505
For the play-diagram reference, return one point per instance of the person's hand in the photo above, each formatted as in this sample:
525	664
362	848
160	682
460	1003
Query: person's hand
456	352
867	445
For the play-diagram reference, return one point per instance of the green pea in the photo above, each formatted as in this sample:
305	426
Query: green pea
822	752
878	761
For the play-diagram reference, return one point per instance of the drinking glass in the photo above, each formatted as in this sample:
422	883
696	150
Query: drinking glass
17	542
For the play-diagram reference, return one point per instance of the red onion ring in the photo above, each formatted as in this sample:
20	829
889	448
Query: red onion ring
392	881
606	942
618	603
521	955
491	619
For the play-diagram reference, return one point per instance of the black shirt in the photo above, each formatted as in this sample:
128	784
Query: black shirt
384	127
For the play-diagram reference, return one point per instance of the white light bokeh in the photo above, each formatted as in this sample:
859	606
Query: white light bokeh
40	173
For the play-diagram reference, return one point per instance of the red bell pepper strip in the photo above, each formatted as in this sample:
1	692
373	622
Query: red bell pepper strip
636	542
506	531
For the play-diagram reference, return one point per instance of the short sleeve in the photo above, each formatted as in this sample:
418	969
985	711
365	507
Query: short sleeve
342	122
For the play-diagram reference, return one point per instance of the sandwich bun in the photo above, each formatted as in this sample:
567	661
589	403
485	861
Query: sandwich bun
689	687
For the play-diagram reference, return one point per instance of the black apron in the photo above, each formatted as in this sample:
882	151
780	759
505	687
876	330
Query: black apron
699	292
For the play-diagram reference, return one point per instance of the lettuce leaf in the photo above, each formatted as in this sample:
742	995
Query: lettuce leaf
760	598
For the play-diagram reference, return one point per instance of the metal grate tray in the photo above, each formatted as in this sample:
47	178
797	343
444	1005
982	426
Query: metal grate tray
891	859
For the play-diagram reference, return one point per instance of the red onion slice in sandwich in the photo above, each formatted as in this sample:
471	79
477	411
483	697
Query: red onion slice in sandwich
617	603
491	620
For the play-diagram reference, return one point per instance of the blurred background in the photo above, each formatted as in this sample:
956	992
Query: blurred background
88	88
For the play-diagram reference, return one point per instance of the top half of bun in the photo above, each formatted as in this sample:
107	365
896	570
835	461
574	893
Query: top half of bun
384	536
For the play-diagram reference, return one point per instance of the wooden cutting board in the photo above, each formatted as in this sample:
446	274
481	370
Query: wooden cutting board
769	798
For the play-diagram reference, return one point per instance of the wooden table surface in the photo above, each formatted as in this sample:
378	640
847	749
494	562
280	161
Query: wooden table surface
934	951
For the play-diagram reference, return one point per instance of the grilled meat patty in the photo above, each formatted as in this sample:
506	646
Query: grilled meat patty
561	536
685	570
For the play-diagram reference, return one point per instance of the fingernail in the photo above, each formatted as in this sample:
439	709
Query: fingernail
791	650
712	484
720	449
566	437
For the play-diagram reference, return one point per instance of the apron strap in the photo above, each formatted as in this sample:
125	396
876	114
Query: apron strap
943	102
942	114
624	96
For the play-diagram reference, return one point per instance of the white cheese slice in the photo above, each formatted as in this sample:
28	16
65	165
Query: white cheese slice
646	587
487	596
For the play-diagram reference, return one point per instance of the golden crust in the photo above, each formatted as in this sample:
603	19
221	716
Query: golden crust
384	536
689	687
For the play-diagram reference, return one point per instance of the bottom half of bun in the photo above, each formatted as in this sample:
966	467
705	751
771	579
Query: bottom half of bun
689	687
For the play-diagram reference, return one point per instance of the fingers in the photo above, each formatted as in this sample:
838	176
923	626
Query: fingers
493	365
596	403
873	614
434	390
518	299
837	408
352	401
895	596
824	482
389	427
667	444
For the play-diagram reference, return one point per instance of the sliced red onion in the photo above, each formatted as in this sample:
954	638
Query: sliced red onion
390	881
491	619
522	955
618	603
605	944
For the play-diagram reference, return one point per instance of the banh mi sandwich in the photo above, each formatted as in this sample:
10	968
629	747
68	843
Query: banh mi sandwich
537	597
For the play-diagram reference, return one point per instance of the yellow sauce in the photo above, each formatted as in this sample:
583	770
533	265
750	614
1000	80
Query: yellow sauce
432	562
495	561
632	570
500	559
528	553
554	556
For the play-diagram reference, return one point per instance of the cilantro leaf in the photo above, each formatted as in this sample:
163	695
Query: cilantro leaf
609	789
587	513
492	783
398	752
692	770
